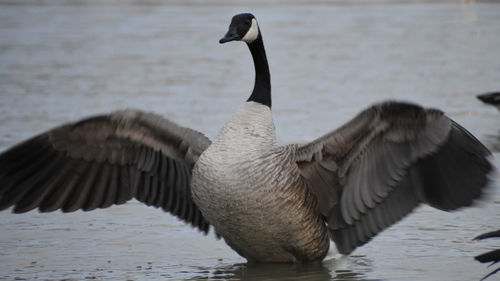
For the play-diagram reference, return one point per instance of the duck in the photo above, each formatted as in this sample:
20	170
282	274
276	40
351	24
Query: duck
491	98
270	202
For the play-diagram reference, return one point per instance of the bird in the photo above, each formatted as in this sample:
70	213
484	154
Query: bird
492	98
491	256
270	202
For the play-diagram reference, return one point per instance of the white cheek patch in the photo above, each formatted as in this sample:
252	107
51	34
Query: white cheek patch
252	33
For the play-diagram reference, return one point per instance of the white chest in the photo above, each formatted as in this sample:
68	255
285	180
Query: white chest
236	166
249	188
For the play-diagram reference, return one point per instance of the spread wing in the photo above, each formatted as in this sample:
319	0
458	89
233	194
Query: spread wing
105	160
378	167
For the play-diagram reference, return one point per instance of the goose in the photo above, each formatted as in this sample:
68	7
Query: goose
270	202
492	98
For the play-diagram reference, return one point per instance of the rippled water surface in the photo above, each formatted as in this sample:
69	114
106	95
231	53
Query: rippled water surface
63	60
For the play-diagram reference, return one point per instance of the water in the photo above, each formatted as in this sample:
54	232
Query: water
64	60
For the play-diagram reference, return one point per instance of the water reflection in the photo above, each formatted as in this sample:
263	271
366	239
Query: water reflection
333	269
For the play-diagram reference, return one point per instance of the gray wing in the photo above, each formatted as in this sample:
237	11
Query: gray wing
105	160
378	167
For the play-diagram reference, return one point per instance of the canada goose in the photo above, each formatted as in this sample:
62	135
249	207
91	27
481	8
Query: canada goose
270	202
492	98
491	256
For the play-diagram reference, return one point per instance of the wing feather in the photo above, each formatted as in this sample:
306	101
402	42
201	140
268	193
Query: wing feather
79	195
96	195
47	182
105	160
58	197
389	159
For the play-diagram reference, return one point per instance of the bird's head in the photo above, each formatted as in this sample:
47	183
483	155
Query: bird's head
243	27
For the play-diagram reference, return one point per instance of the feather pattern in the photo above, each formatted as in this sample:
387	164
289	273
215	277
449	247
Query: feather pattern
249	188
385	162
105	160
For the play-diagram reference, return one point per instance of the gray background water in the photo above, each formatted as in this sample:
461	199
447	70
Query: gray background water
64	60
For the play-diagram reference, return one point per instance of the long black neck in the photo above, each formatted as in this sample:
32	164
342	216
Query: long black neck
262	88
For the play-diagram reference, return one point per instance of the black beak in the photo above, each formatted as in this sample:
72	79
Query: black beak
231	35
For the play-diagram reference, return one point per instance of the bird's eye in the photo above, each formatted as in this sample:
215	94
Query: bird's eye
248	22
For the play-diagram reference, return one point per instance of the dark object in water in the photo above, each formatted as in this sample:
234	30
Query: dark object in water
492	98
491	256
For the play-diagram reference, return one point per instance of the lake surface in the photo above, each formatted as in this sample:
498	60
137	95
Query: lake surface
64	60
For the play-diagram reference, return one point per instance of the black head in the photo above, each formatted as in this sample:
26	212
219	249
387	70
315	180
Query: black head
243	27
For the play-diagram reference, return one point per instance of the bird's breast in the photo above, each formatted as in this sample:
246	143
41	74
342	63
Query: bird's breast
249	188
